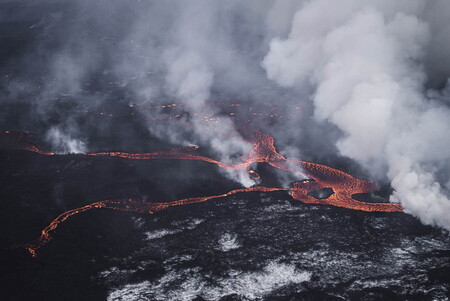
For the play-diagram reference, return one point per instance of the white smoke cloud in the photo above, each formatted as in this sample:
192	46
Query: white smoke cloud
366	62
63	143
371	72
188	78
198	49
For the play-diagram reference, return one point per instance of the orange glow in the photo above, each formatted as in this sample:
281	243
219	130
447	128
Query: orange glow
18	141
319	176
254	175
131	205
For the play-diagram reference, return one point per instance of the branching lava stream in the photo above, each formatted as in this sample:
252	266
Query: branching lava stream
317	177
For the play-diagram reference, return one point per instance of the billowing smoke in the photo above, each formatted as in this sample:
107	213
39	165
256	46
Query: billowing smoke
63	143
365	60
371	74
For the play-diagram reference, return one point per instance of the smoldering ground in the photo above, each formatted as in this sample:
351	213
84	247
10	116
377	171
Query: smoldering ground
370	77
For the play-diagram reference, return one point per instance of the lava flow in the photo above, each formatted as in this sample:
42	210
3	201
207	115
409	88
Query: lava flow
318	177
132	205
19	141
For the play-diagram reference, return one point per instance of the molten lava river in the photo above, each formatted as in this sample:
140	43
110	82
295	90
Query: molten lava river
342	186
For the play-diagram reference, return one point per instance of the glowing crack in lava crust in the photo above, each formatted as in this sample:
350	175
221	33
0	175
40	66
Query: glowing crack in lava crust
343	185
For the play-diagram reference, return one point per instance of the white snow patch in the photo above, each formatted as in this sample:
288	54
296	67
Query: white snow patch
253	285
228	242
159	233
187	284
181	226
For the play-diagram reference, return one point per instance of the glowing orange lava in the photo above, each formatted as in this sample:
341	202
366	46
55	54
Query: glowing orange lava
254	175
129	205
19	141
317	177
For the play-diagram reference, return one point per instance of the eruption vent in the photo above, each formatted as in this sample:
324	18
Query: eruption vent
343	185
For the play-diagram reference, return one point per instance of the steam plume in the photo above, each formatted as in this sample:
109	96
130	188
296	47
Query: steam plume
366	61
372	73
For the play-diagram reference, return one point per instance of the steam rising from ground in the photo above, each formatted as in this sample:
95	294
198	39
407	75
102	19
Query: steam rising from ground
365	60
372	73
63	143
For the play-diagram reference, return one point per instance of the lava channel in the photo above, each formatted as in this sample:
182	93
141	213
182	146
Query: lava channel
319	176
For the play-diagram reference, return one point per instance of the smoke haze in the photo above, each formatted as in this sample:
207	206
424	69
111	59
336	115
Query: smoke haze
371	78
